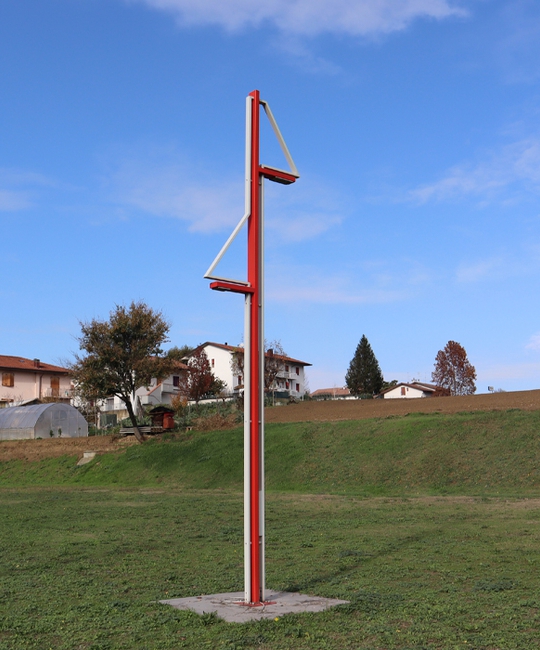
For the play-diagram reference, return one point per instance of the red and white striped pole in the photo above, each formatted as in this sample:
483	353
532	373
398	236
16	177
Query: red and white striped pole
253	290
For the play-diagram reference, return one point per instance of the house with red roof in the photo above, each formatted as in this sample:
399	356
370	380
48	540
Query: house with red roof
332	393
410	391
24	380
290	378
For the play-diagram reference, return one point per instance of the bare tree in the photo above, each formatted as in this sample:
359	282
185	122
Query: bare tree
453	370
274	362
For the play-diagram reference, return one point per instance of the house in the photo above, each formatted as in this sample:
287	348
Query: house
332	393
24	380
113	409
410	391
290	379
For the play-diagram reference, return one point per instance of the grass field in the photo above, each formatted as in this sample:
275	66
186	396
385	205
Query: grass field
428	524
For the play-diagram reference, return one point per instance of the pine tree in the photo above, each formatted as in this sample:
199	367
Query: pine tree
453	371
364	375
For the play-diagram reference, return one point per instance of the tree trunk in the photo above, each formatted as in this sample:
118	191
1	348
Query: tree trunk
133	418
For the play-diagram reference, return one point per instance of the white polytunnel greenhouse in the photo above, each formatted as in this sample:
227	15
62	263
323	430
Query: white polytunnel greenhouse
53	420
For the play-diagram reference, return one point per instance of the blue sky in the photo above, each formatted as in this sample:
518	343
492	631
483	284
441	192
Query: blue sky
415	125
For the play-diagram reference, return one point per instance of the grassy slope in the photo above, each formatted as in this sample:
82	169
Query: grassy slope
467	453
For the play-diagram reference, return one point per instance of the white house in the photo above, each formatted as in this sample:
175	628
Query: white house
290	378
24	380
409	391
158	392
332	393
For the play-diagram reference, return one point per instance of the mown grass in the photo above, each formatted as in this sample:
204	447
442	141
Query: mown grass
84	569
468	453
87	552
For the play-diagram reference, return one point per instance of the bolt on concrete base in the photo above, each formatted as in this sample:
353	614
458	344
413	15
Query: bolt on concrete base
231	606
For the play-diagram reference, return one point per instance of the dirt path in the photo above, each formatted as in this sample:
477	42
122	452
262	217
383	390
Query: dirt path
34	450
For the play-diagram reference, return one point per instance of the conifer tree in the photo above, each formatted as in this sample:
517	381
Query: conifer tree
364	375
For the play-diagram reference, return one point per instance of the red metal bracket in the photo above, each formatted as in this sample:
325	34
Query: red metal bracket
277	175
231	286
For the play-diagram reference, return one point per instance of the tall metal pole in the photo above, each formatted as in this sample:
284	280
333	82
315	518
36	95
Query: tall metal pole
253	290
256	391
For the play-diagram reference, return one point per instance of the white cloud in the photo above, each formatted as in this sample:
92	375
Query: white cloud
369	285
17	188
517	48
302	211
11	201
477	271
509	372
328	293
516	165
308	17
165	188
534	342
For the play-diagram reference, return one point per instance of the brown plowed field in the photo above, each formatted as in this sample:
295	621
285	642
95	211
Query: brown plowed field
330	411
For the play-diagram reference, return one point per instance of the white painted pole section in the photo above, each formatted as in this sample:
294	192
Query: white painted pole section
247	450
261	388
247	376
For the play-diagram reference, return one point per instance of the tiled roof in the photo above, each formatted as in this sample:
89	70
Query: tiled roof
331	391
418	385
237	348
33	365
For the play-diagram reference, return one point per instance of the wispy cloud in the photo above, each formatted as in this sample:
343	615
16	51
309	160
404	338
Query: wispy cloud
11	201
166	192
478	270
372	284
163	187
509	372
515	166
303	211
518	48
534	342
309	17
304	58
17	189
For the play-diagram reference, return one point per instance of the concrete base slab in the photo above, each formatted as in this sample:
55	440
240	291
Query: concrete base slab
231	606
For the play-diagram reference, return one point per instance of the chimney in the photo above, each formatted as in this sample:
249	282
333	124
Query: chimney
270	352
36	363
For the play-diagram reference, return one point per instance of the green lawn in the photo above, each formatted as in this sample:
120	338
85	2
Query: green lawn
428	524
496	453
83	568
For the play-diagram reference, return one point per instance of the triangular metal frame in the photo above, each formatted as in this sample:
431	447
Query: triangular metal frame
271	173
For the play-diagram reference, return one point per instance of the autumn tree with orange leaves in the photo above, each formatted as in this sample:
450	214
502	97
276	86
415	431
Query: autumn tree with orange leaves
453	370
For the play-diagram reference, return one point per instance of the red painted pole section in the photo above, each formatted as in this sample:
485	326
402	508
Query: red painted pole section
254	279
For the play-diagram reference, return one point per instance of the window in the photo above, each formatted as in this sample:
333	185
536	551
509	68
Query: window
287	385
55	386
403	390
212	363
8	379
297	388
297	370
239	379
286	368
176	381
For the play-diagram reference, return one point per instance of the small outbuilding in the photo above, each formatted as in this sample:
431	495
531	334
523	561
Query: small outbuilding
53	420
